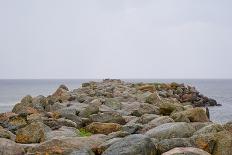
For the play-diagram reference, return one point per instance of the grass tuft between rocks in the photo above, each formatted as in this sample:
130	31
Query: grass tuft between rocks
84	133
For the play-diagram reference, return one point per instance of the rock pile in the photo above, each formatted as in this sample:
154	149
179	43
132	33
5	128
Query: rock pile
114	117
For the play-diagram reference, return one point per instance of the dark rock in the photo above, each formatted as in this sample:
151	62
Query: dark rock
132	145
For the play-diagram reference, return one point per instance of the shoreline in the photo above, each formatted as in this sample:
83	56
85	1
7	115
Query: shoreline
102	117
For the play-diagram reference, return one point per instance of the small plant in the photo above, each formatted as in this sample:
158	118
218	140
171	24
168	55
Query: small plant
84	133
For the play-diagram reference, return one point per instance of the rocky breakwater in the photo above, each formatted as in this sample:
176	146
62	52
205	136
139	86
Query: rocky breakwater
113	117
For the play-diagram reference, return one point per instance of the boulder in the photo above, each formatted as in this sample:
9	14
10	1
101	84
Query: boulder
205	142
6	134
8	147
113	103
144	119
156	122
16	122
103	128
186	151
194	115
212	128
168	106
145	108
131	127
68	145
73	118
171	130
223	143
61	95
168	144
228	126
108	117
35	132
145	88
101	148
152	98
62	132
89	110
132	145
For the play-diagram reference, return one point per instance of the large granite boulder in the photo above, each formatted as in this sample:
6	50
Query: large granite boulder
212	128
132	145
89	110
194	115
62	132
171	130
103	128
156	122
186	151
6	134
8	147
69	145
35	132
108	117
169	106
168	144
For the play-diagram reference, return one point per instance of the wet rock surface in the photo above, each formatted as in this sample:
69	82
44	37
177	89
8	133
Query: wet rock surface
113	117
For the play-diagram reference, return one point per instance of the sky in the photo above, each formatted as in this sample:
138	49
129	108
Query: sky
115	39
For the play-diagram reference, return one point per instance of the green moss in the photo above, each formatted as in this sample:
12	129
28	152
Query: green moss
84	133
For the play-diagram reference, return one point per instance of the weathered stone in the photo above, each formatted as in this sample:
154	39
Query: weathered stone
113	103
144	119
171	130
144	88
153	98
106	145
168	144
132	145
167	107
145	108
156	122
186	151
73	118
212	128
103	128
6	134
62	133
8	147
194	115
68	145
108	117
228	126
89	110
224	143
61	95
32	133
205	142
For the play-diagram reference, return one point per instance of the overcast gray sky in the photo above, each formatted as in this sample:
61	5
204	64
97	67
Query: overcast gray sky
115	38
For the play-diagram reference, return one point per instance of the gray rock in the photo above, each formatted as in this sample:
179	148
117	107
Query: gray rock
35	132
89	110
144	119
186	151
108	117
145	108
212	128
8	147
84	151
168	144
7	134
62	133
132	145
171	130
156	122
113	103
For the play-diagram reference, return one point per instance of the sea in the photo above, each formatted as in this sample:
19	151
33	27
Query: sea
13	90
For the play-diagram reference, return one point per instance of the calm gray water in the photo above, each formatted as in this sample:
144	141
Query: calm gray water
11	92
